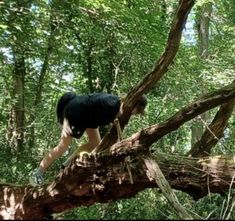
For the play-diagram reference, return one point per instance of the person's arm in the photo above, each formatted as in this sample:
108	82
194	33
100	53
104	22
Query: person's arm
56	152
93	140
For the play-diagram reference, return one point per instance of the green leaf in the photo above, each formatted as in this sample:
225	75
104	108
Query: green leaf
3	26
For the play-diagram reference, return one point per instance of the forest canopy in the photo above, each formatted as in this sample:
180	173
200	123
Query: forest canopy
176	161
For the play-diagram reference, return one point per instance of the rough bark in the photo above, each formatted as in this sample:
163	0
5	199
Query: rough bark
84	184
155	173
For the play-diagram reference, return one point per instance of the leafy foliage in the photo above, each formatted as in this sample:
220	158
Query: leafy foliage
109	46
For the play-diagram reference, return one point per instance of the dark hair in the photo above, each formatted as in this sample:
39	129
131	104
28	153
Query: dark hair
63	101
141	104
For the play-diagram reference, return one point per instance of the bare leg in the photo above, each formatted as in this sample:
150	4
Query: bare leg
93	140
118	129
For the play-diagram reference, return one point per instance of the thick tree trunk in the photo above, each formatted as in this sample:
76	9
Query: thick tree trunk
85	184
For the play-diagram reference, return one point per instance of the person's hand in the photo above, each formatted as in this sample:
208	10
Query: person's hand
36	178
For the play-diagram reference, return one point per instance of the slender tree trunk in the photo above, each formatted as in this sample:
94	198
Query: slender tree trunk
214	132
110	52
203	29
16	124
53	24
88	64
39	89
203	44
17	117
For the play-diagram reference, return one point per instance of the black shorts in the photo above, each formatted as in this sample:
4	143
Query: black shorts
89	111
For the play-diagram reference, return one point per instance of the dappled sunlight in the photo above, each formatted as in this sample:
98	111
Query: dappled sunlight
10	206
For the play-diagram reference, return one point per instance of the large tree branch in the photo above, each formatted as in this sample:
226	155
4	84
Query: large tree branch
155	75
85	184
155	173
214	131
153	133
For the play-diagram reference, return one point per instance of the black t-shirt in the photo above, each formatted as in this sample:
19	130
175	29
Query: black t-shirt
89	111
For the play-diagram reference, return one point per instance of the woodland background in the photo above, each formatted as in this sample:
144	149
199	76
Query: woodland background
51	47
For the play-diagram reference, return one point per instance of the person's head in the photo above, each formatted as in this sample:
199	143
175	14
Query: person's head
140	105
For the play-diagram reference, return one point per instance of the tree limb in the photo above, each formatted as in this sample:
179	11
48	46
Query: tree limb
88	181
214	132
153	133
158	71
156	174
